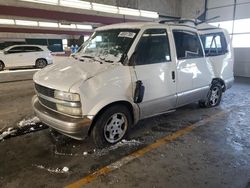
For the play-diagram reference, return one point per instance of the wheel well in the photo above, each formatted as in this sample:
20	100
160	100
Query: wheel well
2	63
223	85
124	103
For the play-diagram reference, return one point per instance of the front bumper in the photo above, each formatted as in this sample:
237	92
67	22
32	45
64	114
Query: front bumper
76	128
49	60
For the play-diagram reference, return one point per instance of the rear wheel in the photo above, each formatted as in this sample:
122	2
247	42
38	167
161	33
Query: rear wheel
41	63
213	97
111	126
1	65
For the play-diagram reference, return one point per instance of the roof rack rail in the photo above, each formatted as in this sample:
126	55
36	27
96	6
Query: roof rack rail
210	19
181	21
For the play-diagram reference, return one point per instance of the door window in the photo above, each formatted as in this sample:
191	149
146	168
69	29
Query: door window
13	50
187	44
153	47
214	44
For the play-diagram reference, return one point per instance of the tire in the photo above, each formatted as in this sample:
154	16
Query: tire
1	66
213	97
41	63
111	126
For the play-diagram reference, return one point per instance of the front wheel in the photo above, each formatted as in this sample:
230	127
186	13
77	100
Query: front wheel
111	126
41	63
213	97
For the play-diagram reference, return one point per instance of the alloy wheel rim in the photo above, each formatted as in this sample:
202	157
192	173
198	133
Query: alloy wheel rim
215	95
115	128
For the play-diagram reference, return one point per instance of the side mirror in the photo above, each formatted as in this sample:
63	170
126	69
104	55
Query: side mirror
139	92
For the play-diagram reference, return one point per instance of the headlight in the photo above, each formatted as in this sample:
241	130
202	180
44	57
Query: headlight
65	96
69	110
68	103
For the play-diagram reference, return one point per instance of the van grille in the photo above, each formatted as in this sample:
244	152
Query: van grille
46	92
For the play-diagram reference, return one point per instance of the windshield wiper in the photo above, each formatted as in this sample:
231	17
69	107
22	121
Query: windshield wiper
91	57
106	60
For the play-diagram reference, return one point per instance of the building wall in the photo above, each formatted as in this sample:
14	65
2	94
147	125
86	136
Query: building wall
163	7
242	62
192	8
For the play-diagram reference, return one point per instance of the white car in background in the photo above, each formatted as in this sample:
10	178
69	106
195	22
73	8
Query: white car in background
25	55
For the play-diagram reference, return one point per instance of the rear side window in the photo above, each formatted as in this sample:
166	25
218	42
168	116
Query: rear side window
153	47
187	44
214	44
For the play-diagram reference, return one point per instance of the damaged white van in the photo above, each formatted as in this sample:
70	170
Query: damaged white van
131	71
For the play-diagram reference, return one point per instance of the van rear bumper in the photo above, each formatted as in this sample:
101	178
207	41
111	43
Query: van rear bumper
76	128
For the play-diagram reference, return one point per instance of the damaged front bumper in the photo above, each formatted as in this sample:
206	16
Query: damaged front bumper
76	128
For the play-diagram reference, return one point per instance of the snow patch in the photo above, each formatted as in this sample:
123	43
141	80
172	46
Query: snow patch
122	143
125	143
65	169
85	153
9	131
28	122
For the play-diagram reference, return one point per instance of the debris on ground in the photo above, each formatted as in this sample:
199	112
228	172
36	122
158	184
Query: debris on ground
55	170
85	153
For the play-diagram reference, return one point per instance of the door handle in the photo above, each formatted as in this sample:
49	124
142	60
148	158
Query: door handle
173	75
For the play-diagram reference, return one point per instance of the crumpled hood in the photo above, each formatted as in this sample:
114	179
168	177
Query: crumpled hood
63	75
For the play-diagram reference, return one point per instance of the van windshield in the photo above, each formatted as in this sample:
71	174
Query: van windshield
108	45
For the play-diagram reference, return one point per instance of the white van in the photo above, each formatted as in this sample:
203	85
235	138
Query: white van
131	71
25	55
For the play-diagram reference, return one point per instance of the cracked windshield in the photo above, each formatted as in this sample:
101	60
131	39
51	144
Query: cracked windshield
109	45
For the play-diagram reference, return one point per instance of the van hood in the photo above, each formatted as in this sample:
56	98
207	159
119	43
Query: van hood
63	75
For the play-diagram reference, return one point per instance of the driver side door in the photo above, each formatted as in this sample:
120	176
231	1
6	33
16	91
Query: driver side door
155	69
